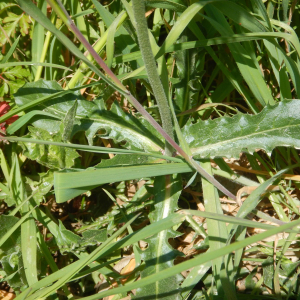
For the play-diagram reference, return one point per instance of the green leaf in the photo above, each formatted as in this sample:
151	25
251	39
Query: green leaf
68	122
26	118
17	72
10	231
12	264
217	234
66	239
4	89
91	237
13	23
135	237
13	258
94	149
186	62
268	272
110	43
191	180
196	261
98	252
38	37
70	185
31	63
10	51
49	155
176	5
274	126
166	191
247	66
40	188
34	12
12	244
15	85
91	117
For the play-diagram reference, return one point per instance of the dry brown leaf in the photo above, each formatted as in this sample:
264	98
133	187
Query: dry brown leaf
6	295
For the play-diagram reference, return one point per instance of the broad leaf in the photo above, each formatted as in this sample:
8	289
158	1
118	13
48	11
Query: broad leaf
10	254
13	243
274	126
40	188
12	23
49	155
91	117
166	190
92	237
66	239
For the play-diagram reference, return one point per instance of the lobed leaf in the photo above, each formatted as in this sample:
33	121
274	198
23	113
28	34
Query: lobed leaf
274	126
91	117
166	191
51	156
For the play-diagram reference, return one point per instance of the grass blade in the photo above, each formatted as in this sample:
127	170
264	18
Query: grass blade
70	185
199	260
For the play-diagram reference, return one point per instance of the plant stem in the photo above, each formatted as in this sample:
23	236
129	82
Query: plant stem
45	50
98	46
151	69
63	14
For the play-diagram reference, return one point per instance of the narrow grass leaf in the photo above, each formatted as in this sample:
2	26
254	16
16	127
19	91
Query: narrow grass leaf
194	277
217	235
9	233
10	51
33	11
167	4
180	25
247	67
252	201
202	42
38	36
87	148
229	219
199	260
31	63
89	259
50	260
110	43
142	234
26	118
28	227
70	185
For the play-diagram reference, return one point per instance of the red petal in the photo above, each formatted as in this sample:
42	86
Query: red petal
4	108
12	119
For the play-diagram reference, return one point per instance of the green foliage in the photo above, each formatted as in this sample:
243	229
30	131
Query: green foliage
12	79
13	23
53	157
159	249
91	117
274	126
40	188
10	256
86	186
